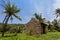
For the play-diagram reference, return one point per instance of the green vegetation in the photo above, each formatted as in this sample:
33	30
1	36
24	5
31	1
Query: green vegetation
11	28
23	36
11	11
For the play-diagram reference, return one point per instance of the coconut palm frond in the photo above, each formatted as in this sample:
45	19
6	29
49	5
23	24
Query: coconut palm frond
18	17
13	6
36	16
17	10
57	12
7	6
4	11
39	17
11	9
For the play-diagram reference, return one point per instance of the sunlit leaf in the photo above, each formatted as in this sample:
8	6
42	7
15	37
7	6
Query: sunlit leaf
18	17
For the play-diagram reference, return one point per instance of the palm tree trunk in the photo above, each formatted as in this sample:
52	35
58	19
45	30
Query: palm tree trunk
4	18
4	26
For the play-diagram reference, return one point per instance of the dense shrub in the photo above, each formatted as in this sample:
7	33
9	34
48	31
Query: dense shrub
13	28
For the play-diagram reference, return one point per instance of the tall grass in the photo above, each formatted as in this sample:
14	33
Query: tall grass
23	36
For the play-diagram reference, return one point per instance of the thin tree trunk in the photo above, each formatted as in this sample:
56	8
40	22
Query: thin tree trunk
5	19
4	26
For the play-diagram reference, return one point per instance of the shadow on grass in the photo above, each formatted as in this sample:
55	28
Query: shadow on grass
8	36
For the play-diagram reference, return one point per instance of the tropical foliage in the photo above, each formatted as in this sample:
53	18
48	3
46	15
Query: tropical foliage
57	12
39	17
10	10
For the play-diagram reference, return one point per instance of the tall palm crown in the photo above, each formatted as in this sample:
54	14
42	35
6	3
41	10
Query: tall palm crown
39	17
10	10
57	12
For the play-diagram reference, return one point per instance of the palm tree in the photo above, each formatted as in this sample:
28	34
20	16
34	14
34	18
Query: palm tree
57	12
39	17
10	10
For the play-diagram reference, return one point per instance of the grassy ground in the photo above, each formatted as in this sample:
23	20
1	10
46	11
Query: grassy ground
48	36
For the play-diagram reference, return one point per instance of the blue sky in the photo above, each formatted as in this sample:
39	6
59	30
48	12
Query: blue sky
29	7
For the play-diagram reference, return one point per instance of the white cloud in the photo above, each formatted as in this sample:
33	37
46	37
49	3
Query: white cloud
56	4
37	6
